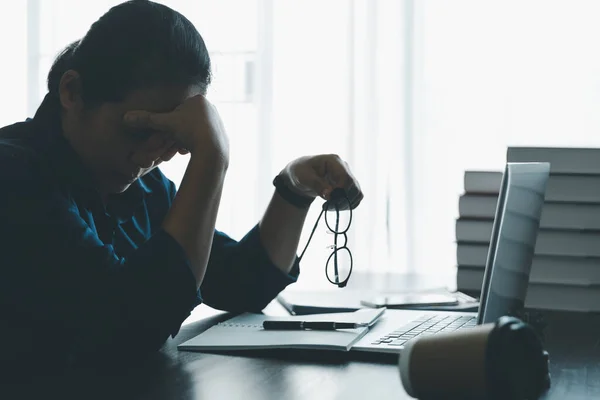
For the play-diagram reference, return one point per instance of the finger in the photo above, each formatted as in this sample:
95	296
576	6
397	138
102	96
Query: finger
352	188
169	154
346	202
183	151
356	202
156	141
322	187
337	172
354	192
145	119
349	197
338	176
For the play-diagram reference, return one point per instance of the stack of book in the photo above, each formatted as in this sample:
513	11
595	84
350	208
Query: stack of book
565	272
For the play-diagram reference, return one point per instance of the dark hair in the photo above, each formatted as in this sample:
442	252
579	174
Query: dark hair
136	45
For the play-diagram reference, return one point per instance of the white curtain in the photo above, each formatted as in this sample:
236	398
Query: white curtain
13	67
490	74
291	78
410	93
338	87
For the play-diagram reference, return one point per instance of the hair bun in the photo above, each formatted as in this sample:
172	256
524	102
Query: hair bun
60	66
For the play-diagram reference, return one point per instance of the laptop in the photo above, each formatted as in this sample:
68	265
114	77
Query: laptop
506	277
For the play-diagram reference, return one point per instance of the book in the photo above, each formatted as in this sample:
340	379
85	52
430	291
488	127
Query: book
473	230
563	160
469	278
566	270
554	215
549	242
472	254
573	188
563	297
572	271
540	295
482	181
245	332
477	206
560	188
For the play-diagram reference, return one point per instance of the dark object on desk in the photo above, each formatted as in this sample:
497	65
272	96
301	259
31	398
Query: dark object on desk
501	360
316	325
410	300
319	302
348	300
534	318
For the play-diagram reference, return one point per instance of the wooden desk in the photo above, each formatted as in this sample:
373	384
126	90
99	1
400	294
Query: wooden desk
571	339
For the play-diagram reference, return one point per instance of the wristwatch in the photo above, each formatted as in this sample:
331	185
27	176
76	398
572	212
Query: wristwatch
302	202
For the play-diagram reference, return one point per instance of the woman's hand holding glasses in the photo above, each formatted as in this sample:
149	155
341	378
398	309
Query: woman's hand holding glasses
329	177
319	176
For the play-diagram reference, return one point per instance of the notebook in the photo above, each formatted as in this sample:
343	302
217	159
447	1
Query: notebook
245	332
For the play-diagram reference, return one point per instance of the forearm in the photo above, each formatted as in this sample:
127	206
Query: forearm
192	216
280	230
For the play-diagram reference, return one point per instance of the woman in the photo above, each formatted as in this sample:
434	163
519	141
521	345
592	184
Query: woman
100	253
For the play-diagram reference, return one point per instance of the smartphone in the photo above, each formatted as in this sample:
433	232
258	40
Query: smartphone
407	300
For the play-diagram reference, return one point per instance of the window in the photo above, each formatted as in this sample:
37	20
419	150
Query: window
410	93
288	82
338	87
13	68
233	53
492	74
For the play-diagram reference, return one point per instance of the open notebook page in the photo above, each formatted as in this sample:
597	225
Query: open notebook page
245	332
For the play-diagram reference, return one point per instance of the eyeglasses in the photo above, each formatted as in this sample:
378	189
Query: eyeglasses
338	218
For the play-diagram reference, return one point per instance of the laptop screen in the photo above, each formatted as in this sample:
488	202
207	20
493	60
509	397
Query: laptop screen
513	239
489	264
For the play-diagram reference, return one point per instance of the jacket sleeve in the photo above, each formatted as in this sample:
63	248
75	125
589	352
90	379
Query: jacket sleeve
57	275
240	275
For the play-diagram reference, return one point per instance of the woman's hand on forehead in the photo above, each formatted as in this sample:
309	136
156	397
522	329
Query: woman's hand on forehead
154	143
170	153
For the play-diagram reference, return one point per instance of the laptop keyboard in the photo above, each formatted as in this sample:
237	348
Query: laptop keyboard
426	325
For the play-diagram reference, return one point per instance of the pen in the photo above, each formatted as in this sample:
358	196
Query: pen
316	325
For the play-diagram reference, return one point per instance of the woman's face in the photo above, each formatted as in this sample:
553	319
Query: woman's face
116	154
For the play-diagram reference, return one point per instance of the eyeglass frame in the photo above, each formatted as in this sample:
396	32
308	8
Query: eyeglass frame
333	203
